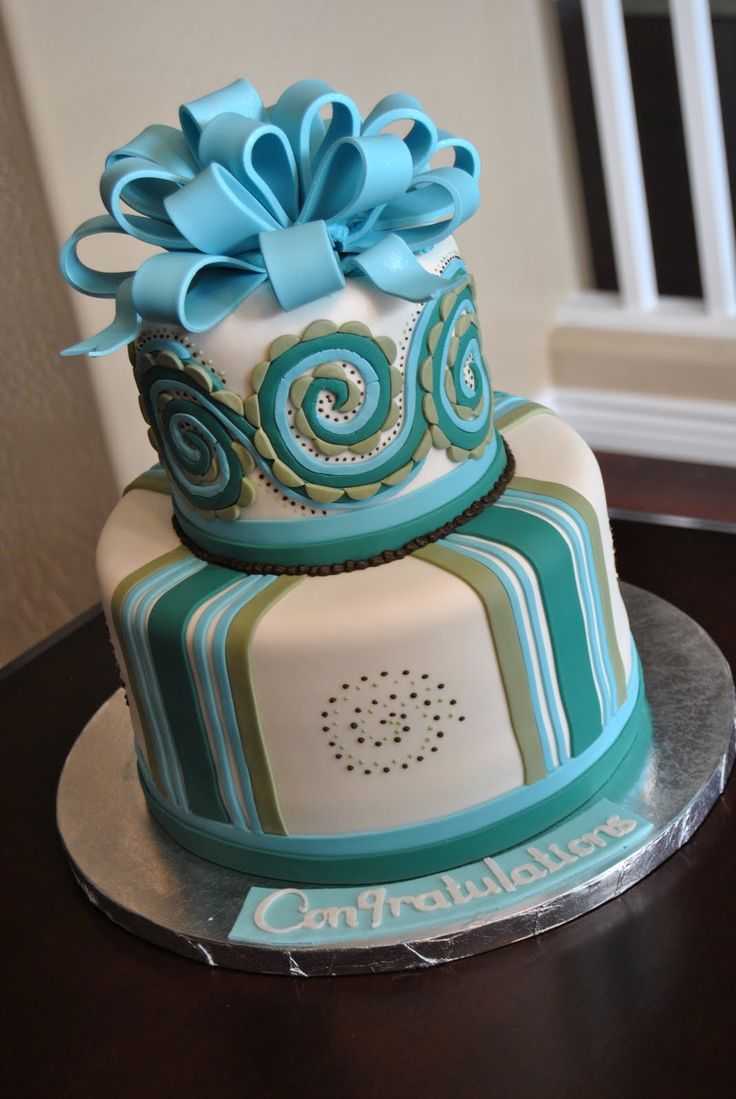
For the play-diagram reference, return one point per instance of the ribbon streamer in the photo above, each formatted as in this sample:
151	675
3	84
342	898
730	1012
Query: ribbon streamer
243	194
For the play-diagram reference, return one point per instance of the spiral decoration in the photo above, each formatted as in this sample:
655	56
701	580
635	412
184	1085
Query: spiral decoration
458	398
194	425
331	417
353	373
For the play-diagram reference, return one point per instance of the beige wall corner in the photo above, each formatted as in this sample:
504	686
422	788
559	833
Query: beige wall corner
56	486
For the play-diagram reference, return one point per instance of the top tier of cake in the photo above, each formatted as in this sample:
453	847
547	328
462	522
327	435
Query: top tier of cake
340	430
306	345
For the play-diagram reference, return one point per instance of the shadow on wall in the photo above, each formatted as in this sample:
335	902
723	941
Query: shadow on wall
57	486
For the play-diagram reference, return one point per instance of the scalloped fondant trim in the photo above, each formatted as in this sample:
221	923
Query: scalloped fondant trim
351	565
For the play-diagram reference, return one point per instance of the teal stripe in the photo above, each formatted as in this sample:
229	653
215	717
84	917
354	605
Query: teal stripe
167	632
134	625
549	554
250	587
597	587
503	403
574	525
492	550
487	561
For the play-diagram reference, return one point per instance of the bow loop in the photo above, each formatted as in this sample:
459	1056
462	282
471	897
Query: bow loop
297	113
243	194
437	202
421	139
259	156
217	215
357	174
161	145
142	185
191	290
240	97
301	263
466	154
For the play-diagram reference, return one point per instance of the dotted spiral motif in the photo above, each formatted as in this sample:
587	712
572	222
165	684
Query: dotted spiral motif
331	416
389	721
458	398
194	427
331	396
332	393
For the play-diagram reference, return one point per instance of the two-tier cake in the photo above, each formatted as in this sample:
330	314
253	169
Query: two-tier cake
365	610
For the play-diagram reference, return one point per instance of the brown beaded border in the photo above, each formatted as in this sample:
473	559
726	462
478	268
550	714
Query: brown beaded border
259	568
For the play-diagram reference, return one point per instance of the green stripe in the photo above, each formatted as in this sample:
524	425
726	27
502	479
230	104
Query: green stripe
590	518
504	634
549	555
151	482
119	596
516	416
167	627
240	674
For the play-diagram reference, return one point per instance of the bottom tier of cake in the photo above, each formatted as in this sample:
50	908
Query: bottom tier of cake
390	722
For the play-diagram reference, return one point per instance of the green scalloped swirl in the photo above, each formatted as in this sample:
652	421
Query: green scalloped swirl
331	415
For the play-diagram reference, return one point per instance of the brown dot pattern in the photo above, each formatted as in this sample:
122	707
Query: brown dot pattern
385	558
386	722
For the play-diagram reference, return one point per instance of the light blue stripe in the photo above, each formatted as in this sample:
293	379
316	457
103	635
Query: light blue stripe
136	642
251	586
446	828
583	533
365	411
503	554
400	509
465	425
208	701
134	622
505	402
588	593
452	544
541	505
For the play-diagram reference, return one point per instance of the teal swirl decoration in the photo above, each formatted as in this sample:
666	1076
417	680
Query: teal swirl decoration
194	425
244	194
356	371
458	397
322	410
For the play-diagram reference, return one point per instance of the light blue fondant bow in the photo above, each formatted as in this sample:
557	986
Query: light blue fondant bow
242	194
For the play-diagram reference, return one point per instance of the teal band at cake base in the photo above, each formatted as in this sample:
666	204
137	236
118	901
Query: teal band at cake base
362	546
363	866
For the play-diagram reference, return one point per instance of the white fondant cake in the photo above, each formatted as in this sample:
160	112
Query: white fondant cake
383	634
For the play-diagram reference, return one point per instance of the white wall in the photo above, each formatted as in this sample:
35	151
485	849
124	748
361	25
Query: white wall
95	72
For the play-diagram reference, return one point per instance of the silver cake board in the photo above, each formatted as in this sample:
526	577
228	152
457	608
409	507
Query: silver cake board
151	886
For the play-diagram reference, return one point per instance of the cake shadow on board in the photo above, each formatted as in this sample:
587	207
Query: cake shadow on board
365	609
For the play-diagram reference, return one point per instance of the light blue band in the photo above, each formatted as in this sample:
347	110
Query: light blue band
301	263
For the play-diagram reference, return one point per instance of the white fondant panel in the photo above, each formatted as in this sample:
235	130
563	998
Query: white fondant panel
138	530
333	638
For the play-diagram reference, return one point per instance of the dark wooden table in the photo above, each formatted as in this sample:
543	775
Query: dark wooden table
637	999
